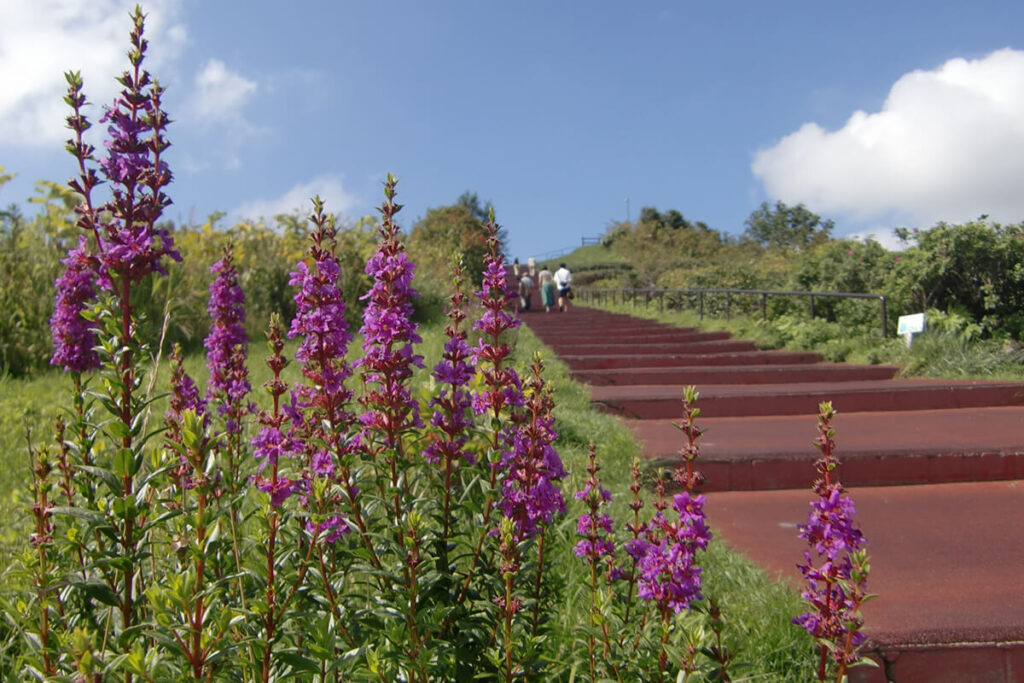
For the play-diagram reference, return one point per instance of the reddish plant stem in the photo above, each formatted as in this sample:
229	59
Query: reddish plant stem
538	581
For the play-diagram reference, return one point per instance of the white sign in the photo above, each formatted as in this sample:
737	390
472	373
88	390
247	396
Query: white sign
909	325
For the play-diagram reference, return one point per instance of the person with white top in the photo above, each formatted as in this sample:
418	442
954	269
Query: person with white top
563	281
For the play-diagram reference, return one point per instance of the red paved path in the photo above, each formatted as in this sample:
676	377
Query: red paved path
946	558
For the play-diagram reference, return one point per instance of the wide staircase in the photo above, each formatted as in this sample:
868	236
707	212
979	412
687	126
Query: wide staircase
933	466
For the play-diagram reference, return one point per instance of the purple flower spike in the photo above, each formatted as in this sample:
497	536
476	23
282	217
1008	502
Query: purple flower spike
389	333
227	343
835	565
319	407
73	336
501	385
184	394
131	247
666	560
452	404
532	468
597	545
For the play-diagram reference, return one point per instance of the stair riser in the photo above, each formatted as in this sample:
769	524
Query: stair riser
565	343
725	346
753	375
876	470
694	360
925	398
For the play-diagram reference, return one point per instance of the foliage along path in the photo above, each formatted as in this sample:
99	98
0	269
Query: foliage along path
934	465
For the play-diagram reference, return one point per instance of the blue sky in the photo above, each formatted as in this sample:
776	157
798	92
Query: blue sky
875	114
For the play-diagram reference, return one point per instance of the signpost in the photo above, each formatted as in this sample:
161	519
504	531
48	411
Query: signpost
909	325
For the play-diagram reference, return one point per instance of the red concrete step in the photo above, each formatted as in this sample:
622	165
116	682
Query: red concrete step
543	320
652	402
877	448
746	374
603	330
713	345
577	362
945	563
566	342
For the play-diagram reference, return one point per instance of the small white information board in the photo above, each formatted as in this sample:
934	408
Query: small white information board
909	325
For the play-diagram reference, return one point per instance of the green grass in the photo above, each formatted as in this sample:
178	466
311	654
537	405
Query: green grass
588	258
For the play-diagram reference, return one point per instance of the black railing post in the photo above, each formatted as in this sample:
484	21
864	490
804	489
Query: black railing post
728	305
702	304
885	324
812	306
764	305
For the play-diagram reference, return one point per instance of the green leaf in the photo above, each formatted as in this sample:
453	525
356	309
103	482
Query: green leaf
93	516
124	462
298	662
108	477
99	591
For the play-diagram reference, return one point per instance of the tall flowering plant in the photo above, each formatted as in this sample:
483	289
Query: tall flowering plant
227	346
121	246
386	367
835	564
319	409
662	570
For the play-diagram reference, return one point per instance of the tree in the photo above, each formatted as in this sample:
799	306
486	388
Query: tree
659	242
786	227
471	201
446	232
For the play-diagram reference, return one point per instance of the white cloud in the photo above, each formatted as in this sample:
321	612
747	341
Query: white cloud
336	198
220	94
884	236
42	39
217	105
948	144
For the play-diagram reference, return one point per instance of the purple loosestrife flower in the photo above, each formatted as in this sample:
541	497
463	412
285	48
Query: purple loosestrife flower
666	553
184	392
837	571
269	446
531	466
501	385
320	415
452	404
130	244
669	574
595	525
73	337
320	321
185	397
389	333
271	443
227	344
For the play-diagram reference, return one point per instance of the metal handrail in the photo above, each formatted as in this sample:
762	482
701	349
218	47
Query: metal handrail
604	294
